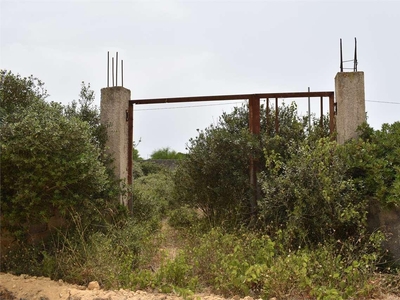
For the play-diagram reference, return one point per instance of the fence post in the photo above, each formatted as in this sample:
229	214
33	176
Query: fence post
114	113
254	126
350	100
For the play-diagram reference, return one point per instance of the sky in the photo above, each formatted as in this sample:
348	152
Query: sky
195	48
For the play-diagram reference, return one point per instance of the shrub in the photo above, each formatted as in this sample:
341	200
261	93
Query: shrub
150	167
53	159
152	195
215	174
48	164
373	161
166	153
183	217
310	197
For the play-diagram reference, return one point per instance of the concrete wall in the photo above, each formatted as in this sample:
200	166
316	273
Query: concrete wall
387	220
113	109
350	99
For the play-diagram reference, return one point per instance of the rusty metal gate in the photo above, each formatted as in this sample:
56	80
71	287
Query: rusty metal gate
254	115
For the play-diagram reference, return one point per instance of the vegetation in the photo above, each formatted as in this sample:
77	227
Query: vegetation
166	153
374	163
195	228
214	175
53	160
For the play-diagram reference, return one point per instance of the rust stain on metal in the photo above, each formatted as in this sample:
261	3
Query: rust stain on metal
231	97
130	155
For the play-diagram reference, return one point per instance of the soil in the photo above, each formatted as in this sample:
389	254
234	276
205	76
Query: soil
26	287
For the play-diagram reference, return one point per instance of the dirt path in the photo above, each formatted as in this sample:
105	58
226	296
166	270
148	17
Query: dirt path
26	287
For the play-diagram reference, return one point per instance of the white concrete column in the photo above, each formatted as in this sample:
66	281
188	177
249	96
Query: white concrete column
114	107
350	99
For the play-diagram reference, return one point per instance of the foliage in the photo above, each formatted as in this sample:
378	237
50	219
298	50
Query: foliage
248	263
152	195
84	110
310	241
215	174
150	167
137	170
50	160
374	163
183	217
309	196
166	153
244	263
108	257
135	154
17	93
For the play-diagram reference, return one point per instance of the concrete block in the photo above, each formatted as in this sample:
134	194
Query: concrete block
350	99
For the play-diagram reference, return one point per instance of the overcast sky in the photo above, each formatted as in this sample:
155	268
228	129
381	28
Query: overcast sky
192	48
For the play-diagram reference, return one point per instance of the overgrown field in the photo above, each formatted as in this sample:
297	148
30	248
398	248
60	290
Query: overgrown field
302	234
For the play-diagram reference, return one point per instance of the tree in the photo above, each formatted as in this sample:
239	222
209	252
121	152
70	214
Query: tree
135	154
51	161
166	153
85	110
215	174
18	92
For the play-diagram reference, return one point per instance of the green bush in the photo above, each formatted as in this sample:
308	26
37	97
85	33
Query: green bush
166	153
373	161
109	257
152	195
248	263
215	174
52	162
137	170
150	167
310	197
183	217
48	164
17	93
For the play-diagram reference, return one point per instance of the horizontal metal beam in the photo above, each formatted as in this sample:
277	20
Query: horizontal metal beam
232	97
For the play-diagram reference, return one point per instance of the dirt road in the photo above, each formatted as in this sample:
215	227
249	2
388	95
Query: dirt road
26	287
41	288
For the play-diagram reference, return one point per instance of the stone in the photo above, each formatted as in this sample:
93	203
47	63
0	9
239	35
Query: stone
93	285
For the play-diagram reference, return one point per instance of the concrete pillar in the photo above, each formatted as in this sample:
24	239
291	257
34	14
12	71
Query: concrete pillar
350	100
114	108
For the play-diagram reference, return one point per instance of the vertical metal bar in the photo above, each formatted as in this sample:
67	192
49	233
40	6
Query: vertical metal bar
254	125
309	111
276	116
108	68
355	55
122	72
254	115
322	112
130	157
267	110
116	70
331	115
112	70
341	56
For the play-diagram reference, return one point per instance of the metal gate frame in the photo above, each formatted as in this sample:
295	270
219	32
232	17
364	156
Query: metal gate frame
254	119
